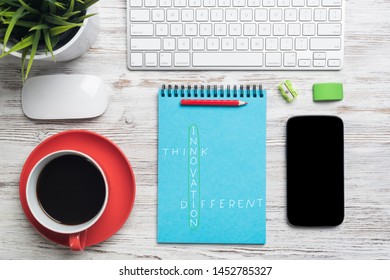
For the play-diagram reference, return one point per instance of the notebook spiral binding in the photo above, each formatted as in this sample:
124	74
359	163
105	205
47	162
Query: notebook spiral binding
212	91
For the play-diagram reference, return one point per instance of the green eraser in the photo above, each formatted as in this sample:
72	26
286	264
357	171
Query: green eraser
328	92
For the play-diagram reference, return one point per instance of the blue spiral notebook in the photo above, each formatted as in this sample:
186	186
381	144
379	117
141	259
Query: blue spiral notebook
211	166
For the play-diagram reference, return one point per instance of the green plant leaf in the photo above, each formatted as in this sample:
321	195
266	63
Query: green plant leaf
22	23
24	54
85	5
57	4
13	3
39	26
29	8
25	43
70	14
48	43
18	14
57	21
34	48
71	6
81	19
61	29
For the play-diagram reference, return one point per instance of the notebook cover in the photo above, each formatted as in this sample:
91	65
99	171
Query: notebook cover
211	170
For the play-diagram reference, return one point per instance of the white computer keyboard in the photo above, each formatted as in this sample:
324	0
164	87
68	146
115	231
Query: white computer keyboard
235	34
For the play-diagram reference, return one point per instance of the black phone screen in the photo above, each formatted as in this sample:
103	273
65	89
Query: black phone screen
315	171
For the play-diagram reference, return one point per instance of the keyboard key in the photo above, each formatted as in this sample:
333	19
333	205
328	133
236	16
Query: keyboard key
136	59
180	3
136	3
325	44
151	59
261	15
298	3
329	29
224	3
235	29
334	62
268	3
152	44
161	29
169	44
191	29
290	59
220	29
139	15
198	44
319	63
146	29
304	63
313	3
183	44
331	3
286	44
202	15
176	29
294	29
264	29
257	43
246	15
187	15
150	3
320	14
209	3
172	15
275	14
305	15
271	44
231	15
283	3
182	59
194	3
242	44
253	3
317	55
238	3
205	29
216	15
234	59
212	44
227	44
290	14
273	59
165	3
165	59
301	44
279	29
249	29
309	29
158	15
335	14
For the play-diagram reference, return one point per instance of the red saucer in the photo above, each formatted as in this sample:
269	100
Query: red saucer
118	171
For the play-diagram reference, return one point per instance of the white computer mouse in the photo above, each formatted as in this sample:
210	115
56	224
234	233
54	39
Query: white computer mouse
58	97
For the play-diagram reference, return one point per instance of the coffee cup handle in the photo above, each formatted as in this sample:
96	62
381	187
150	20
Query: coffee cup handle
77	240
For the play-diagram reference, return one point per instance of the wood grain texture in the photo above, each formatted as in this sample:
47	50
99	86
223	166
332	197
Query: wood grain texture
131	122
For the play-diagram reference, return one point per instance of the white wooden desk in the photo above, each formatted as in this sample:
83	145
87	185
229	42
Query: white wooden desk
131	122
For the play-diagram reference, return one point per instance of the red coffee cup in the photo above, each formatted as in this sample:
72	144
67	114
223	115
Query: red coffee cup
42	195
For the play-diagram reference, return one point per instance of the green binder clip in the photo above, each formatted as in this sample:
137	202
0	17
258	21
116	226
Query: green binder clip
288	91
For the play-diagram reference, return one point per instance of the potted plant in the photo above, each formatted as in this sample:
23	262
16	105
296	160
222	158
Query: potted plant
61	30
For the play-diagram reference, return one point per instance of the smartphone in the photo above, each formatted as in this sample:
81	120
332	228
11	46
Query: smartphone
315	170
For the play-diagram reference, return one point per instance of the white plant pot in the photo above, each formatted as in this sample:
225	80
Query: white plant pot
78	45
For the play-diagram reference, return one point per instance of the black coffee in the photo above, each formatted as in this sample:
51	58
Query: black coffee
71	189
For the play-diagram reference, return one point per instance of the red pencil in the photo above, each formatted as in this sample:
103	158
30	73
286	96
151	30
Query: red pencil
208	102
